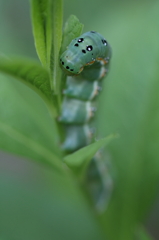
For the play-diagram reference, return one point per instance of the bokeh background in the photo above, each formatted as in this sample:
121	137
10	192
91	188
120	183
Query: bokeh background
33	199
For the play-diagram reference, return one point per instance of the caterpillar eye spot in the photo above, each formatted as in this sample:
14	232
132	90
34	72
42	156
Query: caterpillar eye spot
89	48
80	40
76	45
104	42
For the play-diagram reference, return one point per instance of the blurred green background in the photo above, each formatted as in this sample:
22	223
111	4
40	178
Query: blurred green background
36	203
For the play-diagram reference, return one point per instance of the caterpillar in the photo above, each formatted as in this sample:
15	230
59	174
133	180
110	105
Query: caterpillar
85	61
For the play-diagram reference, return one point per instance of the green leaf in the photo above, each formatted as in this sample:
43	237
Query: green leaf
44	155
47	29
37	203
39	15
131	107
142	234
82	157
26	127
17	139
54	38
29	72
72	29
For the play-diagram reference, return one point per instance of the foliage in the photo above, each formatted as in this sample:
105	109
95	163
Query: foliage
128	105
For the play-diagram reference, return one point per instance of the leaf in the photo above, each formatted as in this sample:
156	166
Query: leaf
37	203
73	28
26	128
37	78
47	30
39	14
31	74
44	155
54	38
82	157
142	234
131	100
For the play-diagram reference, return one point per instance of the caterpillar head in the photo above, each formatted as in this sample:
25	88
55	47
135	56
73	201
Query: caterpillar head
78	55
67	62
84	51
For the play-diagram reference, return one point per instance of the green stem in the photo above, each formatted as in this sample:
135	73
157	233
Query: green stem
54	113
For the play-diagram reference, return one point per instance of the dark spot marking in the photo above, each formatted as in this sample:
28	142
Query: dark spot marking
104	42
92	31
80	40
84	51
92	53
67	67
89	48
62	63
71	70
76	45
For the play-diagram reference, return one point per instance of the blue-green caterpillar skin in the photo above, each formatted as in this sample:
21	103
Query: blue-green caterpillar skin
76	111
80	88
86	62
77	136
85	50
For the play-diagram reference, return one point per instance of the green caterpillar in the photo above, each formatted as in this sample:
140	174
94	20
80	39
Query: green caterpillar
86	62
